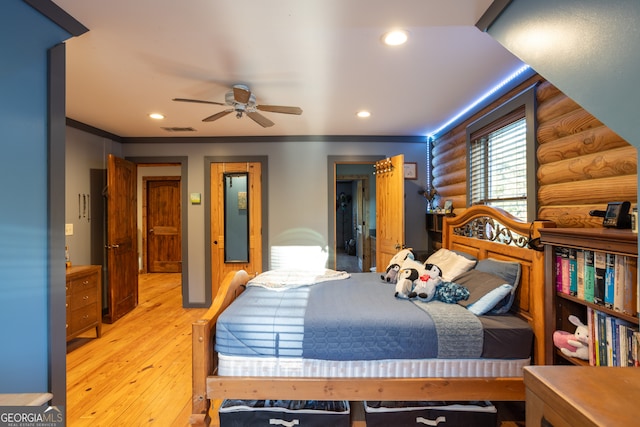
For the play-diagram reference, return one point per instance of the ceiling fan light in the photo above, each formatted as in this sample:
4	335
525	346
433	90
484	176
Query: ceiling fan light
156	116
395	37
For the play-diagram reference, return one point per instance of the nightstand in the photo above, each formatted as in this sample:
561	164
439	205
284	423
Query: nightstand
568	396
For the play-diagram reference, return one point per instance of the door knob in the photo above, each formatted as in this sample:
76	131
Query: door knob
215	242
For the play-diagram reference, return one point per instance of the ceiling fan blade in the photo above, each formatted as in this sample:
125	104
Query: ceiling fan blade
241	95
217	116
280	109
260	119
197	101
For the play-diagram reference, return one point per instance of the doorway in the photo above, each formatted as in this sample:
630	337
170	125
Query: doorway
236	219
161	219
354	173
170	166
228	200
353	222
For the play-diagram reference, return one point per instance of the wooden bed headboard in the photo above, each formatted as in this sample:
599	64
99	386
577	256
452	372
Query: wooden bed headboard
487	232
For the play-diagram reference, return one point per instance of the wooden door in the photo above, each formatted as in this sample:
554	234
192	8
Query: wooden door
163	224
359	223
121	245
363	226
219	268
389	209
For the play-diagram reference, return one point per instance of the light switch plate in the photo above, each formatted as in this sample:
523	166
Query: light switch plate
68	229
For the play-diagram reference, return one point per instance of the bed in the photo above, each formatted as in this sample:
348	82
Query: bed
486	235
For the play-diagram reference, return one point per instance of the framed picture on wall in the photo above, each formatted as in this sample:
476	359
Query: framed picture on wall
410	170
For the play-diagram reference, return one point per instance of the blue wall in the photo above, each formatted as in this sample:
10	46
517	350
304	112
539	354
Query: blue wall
586	48
26	36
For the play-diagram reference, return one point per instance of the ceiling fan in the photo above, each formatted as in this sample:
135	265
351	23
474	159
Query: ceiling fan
242	102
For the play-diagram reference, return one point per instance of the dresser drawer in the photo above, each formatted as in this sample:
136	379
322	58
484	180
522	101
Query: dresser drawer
83	317
84	284
86	297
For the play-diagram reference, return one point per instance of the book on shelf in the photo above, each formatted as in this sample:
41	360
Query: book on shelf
601	336
589	275
629	302
619	283
592	334
573	272
600	264
564	268
580	273
609	280
558	264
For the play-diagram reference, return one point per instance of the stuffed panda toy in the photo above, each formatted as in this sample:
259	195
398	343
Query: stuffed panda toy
416	280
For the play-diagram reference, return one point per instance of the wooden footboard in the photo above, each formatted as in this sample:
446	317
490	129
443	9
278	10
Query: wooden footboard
204	361
481	231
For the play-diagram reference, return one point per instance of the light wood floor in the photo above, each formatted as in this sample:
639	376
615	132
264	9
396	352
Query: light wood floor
139	372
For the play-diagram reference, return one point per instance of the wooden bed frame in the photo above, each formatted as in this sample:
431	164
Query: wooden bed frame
480	231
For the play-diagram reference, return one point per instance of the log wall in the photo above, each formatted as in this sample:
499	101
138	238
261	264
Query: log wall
582	164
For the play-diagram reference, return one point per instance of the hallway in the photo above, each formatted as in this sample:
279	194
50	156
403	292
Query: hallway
346	262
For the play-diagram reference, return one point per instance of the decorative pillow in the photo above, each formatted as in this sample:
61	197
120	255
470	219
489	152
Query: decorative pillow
486	291
478	283
509	272
490	300
451	264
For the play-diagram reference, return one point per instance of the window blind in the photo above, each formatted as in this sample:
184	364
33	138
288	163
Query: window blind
498	164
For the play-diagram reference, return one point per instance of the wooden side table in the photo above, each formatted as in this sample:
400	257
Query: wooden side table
566	396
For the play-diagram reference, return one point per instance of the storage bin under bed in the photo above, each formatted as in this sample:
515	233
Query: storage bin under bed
441	414
288	413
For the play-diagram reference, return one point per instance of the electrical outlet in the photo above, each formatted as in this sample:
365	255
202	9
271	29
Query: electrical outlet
68	229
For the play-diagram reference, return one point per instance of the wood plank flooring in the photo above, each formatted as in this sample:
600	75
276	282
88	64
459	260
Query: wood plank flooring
139	372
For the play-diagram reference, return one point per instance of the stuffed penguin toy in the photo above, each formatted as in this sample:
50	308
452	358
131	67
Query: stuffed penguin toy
392	270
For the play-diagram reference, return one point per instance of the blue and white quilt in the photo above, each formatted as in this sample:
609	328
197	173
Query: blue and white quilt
351	319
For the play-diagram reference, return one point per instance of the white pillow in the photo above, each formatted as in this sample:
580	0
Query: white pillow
451	264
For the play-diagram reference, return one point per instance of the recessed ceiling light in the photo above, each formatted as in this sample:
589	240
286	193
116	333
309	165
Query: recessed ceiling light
363	114
395	37
156	116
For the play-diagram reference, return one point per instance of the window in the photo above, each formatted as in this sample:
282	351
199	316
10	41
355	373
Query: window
501	158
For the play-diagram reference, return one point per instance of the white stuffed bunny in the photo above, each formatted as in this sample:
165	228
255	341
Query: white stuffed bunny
581	341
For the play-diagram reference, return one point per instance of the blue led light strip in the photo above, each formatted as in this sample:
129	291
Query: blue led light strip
499	86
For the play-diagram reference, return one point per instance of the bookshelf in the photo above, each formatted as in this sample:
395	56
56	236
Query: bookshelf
434	230
603	299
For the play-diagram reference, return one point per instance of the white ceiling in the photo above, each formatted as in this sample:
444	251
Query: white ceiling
324	56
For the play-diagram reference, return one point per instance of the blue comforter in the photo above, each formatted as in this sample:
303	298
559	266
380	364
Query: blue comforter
354	319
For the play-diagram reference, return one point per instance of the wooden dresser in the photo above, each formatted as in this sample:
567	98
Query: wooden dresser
566	396
84	299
